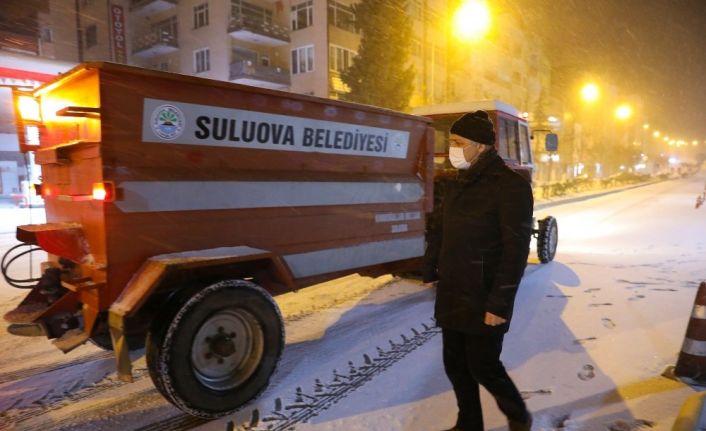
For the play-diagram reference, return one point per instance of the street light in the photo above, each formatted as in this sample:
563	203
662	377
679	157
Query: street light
590	92
656	133
471	20
623	112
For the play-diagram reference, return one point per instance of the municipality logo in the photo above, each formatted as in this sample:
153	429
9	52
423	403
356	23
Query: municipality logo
167	122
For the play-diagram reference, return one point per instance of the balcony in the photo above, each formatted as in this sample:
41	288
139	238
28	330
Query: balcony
250	73
151	7
251	29
154	44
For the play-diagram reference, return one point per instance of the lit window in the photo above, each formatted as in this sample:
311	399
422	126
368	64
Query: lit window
340	58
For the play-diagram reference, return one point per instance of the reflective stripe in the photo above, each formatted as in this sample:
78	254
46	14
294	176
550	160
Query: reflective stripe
699	312
694	347
338	259
152	196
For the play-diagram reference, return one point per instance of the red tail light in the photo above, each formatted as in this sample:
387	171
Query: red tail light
104	191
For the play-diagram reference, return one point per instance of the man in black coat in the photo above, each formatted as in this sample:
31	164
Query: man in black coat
477	252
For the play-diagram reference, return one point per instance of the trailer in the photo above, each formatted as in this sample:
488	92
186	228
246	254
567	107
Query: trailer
177	207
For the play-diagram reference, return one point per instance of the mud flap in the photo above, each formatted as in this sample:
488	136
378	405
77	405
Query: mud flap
116	324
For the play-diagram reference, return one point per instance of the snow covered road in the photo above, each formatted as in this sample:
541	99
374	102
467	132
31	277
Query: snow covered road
592	333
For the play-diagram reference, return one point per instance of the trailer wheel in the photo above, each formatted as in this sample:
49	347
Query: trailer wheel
217	349
547	239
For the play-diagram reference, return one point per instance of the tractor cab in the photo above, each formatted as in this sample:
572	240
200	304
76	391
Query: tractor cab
513	143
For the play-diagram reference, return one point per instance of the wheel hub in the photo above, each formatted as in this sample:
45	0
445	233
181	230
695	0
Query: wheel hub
222	344
226	349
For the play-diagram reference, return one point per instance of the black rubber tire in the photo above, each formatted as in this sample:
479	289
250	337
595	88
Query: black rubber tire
547	239
173	342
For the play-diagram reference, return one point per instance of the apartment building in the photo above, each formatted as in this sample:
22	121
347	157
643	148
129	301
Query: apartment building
296	45
299	45
83	30
229	40
430	51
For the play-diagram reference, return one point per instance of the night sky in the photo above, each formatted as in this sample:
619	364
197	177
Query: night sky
653	48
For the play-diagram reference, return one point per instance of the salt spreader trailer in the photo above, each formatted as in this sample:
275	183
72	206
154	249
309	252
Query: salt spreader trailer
178	206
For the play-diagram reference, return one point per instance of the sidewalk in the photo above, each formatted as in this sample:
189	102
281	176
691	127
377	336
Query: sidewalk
542	203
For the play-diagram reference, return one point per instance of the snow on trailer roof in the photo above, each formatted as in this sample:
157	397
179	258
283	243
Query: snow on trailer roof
463	107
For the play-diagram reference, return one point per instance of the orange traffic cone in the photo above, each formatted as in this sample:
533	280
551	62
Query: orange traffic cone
692	358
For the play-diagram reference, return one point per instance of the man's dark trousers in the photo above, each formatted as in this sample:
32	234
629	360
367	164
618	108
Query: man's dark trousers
472	359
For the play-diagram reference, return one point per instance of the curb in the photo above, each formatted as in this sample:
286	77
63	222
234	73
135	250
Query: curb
568	200
690	417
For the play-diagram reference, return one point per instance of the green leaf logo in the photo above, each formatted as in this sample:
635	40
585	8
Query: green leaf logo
167	122
168	117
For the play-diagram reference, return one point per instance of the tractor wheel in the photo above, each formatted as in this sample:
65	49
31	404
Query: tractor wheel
215	351
547	239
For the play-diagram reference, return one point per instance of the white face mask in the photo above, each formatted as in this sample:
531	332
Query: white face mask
457	159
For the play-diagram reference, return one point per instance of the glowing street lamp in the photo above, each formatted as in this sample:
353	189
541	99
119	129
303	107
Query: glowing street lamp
656	133
623	112
590	92
645	126
471	20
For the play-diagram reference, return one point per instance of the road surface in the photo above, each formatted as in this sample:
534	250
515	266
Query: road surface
591	335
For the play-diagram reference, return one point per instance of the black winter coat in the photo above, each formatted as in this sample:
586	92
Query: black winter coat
477	247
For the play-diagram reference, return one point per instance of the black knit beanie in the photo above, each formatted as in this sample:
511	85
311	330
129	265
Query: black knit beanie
475	126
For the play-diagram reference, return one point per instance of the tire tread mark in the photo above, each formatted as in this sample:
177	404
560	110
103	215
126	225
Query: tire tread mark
46	404
325	395
11	376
